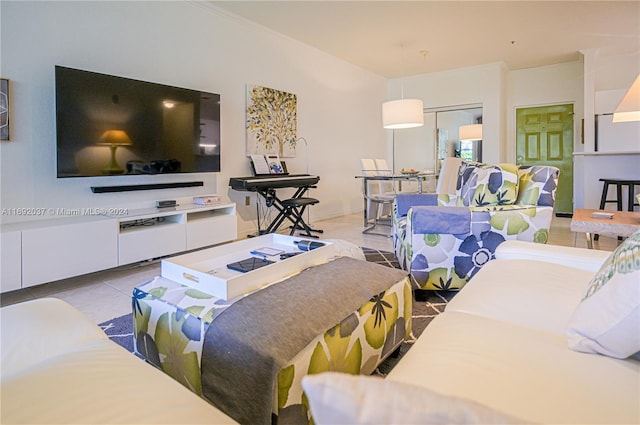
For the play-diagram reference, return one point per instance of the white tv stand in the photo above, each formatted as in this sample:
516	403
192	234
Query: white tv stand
42	251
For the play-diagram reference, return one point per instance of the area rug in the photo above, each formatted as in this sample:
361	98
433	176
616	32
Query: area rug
120	329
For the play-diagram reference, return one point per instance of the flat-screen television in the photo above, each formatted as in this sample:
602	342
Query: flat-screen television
114	126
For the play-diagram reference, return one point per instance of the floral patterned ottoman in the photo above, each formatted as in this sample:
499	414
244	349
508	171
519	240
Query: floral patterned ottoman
171	321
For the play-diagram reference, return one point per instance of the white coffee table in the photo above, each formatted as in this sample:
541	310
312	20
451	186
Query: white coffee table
207	270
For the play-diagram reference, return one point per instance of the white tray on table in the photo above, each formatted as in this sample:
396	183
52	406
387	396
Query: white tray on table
207	271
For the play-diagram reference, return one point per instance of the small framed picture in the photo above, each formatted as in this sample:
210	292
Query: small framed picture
4	110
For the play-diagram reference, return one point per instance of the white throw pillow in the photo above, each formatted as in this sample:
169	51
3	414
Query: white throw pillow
340	398
607	321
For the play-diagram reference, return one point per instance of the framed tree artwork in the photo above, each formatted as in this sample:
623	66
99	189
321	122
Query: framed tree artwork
4	110
271	122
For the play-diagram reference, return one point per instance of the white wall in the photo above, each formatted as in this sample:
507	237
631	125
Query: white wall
618	155
186	44
474	85
501	92
592	86
548	85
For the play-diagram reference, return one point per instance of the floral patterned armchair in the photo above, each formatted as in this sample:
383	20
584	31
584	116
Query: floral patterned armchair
442	240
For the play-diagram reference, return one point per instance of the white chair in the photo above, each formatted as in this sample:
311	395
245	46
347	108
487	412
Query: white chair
448	178
378	194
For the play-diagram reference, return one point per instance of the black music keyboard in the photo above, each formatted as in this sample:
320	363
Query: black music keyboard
255	183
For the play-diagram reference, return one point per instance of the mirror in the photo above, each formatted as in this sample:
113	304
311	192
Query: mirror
424	148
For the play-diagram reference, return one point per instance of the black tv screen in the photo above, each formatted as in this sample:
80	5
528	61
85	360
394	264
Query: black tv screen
109	126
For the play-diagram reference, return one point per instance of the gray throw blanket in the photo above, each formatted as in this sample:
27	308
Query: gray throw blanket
441	220
250	342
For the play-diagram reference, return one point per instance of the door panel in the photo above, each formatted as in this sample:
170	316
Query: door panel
544	136
533	147
554	146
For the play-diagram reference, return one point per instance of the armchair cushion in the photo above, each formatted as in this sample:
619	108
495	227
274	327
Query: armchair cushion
607	321
495	185
537	185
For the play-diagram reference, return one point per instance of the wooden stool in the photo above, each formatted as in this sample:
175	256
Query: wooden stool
619	183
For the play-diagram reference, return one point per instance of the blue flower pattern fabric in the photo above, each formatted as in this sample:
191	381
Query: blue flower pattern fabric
521	208
495	185
538	185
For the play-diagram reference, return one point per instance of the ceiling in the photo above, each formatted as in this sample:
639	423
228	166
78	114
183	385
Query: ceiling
403	38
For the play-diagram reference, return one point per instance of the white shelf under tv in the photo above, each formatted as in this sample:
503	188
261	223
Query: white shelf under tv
44	251
156	232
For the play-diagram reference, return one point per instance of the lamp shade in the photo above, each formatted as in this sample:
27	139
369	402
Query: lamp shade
402	113
470	132
629	107
115	138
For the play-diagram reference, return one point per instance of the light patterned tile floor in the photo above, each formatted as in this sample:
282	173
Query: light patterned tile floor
107	294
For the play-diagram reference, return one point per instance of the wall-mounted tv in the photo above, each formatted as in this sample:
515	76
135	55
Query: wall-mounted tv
114	126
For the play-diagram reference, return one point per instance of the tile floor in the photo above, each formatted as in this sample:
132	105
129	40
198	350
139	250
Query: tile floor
107	294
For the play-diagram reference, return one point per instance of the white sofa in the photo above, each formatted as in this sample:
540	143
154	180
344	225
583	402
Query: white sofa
501	353
58	367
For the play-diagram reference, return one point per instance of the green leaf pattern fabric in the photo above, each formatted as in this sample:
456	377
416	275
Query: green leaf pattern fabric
350	351
538	185
625	260
169	331
495	185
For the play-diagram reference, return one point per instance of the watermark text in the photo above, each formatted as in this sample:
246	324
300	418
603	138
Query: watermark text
67	212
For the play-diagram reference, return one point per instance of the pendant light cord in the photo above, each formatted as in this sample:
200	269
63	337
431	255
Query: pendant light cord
401	71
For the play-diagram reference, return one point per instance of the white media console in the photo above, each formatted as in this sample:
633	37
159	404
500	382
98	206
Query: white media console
42	251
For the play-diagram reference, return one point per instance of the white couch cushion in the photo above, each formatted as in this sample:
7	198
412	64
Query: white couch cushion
543	297
607	321
520	371
339	398
41	329
101	383
59	368
579	258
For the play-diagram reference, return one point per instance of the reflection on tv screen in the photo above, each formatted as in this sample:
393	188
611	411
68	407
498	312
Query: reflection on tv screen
108	125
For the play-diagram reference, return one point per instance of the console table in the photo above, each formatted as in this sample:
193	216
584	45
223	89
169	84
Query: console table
623	223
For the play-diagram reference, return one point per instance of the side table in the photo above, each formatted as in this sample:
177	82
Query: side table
623	223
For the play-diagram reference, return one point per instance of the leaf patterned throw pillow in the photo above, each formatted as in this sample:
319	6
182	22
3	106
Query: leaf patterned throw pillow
607	321
495	185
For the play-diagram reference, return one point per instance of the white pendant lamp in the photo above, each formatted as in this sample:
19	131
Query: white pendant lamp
402	113
629	107
470	132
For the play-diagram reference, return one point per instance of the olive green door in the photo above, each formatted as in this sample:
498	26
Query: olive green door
545	137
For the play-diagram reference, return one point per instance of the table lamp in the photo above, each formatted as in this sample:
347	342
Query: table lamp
113	139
